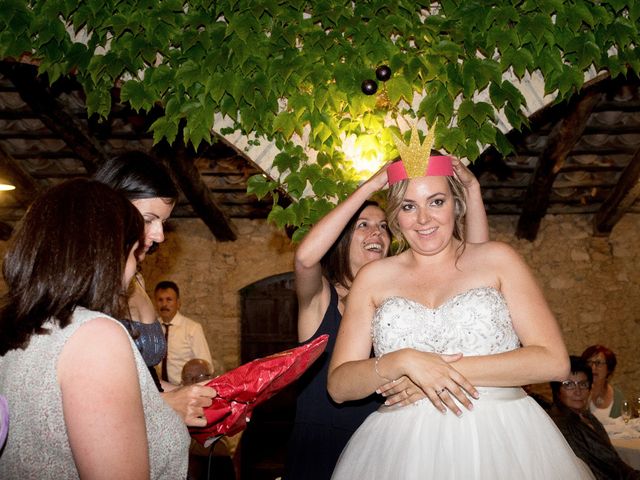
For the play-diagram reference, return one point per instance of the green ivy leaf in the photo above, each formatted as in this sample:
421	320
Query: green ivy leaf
164	128
136	94
437	103
277	216
324	187
398	88
299	234
260	186
503	144
296	184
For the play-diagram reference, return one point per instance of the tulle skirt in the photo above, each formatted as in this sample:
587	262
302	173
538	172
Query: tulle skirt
506	435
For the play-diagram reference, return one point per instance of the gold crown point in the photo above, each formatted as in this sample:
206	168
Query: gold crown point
415	155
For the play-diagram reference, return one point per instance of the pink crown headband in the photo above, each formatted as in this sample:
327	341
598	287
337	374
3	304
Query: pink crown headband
437	165
416	160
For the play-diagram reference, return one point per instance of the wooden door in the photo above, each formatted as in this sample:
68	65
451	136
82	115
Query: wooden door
269	325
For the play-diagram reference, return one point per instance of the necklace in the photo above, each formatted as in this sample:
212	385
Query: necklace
600	398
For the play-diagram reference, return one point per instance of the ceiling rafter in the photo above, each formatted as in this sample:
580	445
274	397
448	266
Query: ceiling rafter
560	142
182	163
626	191
36	93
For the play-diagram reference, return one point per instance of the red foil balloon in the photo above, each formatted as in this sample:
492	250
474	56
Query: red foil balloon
242	389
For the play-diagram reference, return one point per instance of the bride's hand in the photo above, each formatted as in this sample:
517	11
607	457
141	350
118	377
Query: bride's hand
437	378
401	392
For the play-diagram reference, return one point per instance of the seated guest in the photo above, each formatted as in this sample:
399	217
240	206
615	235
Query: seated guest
584	433
82	401
606	400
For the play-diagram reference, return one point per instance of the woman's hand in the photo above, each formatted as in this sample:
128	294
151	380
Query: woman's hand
401	392
189	402
379	180
435	376
465	175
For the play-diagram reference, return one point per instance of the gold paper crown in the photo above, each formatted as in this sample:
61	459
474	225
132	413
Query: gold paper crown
415	155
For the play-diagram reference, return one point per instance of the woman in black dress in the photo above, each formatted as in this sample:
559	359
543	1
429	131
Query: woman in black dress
353	234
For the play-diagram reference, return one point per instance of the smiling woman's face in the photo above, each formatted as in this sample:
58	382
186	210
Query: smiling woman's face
427	214
155	212
370	240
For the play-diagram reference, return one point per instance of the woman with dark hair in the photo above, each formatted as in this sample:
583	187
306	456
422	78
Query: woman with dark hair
352	235
82	402
449	315
584	432
148	185
606	400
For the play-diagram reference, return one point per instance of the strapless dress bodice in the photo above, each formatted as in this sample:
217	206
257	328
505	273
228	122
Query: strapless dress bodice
474	322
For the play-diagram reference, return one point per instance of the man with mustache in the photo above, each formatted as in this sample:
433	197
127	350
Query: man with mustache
185	337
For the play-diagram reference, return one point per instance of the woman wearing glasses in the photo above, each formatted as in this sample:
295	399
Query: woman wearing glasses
606	400
582	430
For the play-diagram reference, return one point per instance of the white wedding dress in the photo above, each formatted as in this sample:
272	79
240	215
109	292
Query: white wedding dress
506	435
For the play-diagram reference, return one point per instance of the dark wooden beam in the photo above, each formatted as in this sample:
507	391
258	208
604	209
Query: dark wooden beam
36	92
626	191
182	164
560	141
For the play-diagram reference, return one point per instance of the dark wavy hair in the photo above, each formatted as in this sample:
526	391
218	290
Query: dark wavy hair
578	365
336	266
137	175
70	250
168	284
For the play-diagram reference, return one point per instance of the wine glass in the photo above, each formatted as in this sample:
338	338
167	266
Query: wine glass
626	412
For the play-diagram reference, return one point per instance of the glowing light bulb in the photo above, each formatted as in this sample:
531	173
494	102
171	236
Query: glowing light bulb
365	154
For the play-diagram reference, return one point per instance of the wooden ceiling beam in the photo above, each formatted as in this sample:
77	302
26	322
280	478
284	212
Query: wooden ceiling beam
560	142
36	92
182	164
624	194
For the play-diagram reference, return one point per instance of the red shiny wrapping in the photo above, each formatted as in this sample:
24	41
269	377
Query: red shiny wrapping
241	389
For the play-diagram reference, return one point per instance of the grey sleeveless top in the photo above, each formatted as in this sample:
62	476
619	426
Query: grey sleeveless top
38	447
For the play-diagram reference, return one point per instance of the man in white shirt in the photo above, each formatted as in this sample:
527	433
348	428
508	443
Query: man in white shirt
185	337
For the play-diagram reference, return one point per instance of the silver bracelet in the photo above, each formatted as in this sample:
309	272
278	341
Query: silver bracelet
375	367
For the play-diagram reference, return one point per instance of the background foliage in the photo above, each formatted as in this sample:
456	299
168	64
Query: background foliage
282	69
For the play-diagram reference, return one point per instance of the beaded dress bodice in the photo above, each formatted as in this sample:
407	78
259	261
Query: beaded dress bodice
474	322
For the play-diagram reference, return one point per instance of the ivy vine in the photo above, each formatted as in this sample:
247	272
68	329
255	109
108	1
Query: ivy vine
282	69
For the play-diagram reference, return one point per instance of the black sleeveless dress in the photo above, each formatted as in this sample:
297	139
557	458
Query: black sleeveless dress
323	427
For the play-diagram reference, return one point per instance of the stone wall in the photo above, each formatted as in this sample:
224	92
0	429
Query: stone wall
592	284
210	275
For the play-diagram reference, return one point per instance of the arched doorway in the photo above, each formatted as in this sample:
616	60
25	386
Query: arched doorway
269	311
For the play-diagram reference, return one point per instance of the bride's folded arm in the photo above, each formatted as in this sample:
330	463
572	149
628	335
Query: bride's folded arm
543	356
353	375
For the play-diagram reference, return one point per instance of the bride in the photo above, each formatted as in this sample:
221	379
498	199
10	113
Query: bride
477	302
